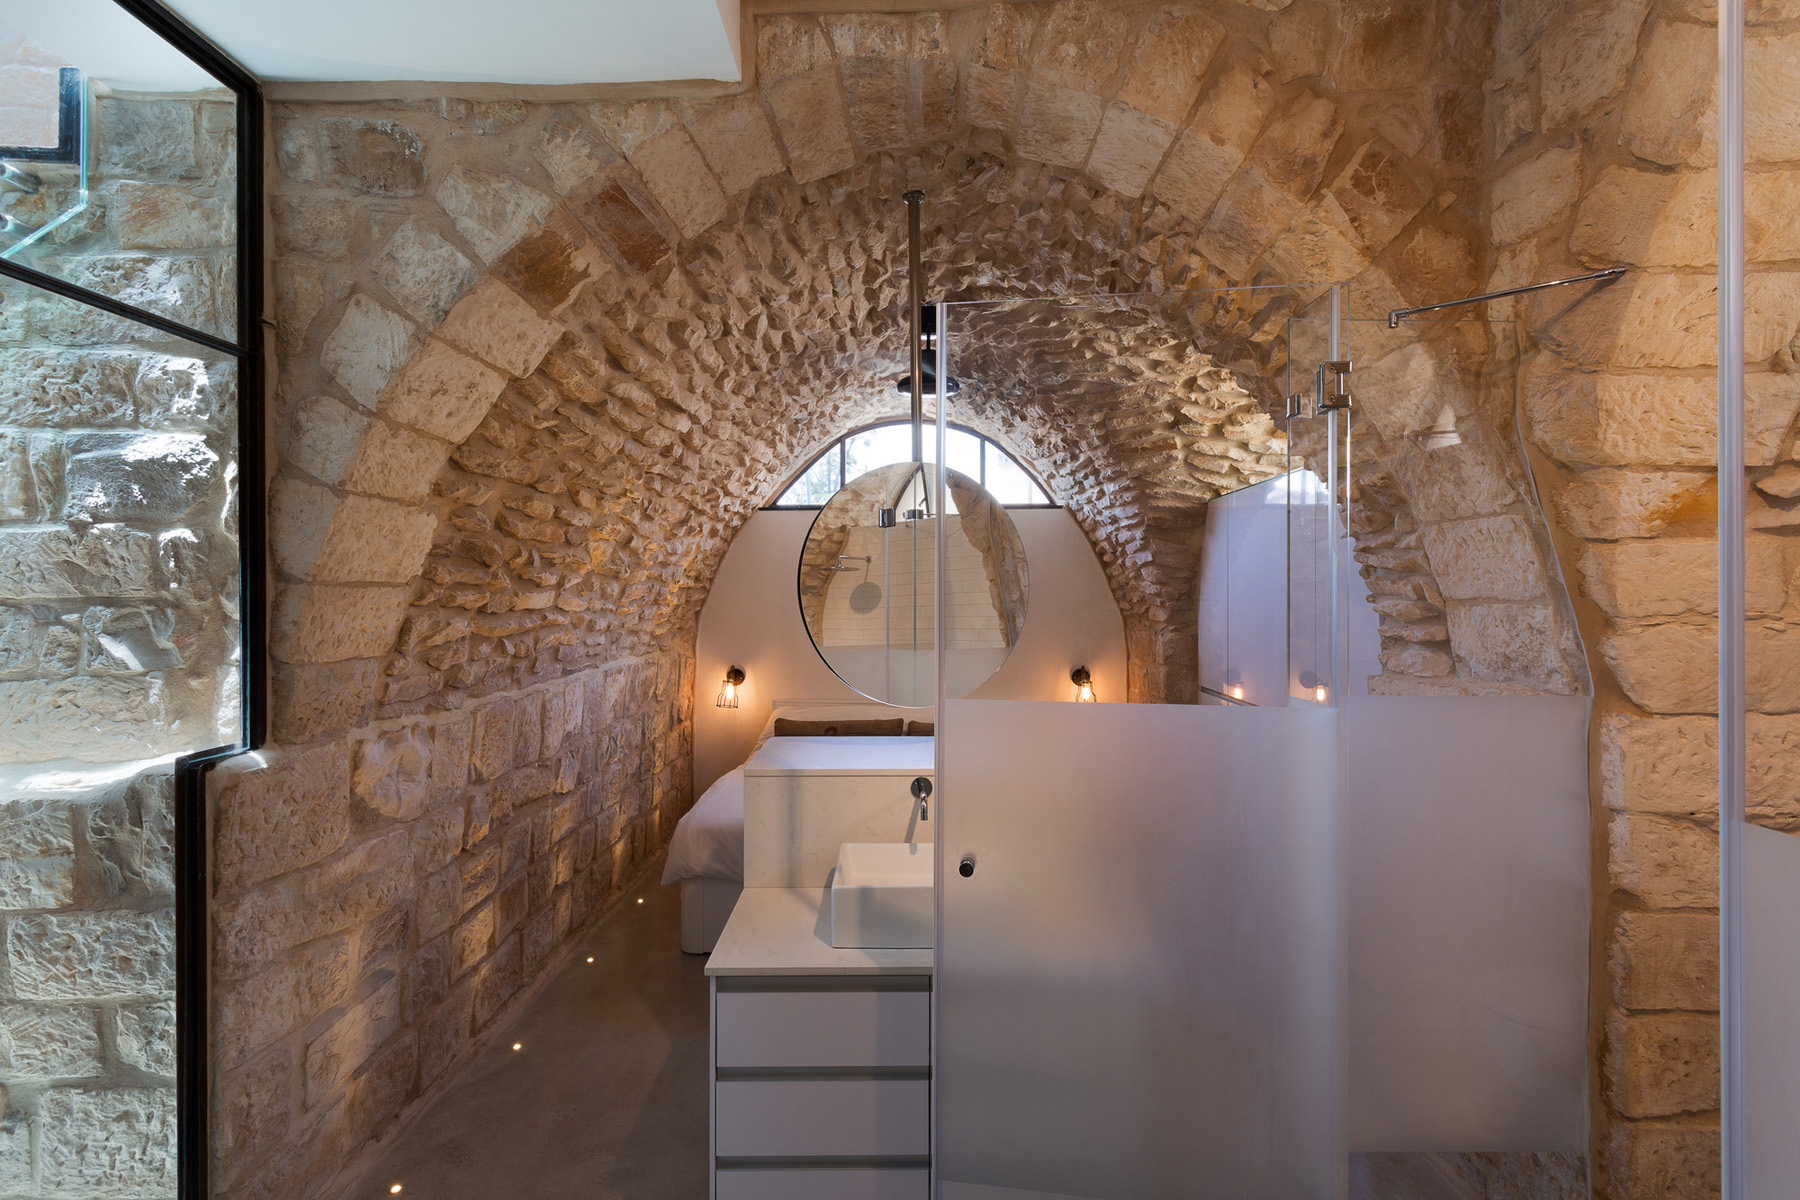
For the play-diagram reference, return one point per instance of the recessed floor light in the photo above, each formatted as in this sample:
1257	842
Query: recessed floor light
395	1190
590	958
640	899
518	1045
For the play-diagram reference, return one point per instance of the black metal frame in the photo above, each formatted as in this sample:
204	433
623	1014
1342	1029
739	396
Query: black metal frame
68	125
837	447
193	1072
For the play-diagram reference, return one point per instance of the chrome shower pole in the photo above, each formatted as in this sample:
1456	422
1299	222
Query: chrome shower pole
915	300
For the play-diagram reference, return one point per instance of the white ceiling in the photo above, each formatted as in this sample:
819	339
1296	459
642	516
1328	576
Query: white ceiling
462	41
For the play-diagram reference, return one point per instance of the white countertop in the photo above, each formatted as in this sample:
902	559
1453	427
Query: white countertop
787	931
844	756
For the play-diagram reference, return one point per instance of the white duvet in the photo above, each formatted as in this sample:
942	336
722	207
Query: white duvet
709	840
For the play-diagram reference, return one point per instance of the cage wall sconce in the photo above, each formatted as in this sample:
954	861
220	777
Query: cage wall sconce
728	691
1084	685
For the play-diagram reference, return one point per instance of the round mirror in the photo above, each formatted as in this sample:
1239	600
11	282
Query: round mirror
868	584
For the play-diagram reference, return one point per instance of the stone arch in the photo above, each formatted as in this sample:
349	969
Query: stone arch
1072	148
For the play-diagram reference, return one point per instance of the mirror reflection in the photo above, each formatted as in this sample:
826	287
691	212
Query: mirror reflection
868	584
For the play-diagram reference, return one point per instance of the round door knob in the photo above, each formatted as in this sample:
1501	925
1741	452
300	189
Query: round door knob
966	868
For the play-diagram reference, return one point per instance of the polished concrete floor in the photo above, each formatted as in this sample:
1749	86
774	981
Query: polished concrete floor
606	1099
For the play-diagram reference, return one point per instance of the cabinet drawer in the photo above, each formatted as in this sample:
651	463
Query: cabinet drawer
831	1183
782	1118
824	1029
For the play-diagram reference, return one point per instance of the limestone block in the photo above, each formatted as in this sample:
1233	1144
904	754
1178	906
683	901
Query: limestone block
93	719
1667	863
385	1083
131	840
1772	98
991	98
1163	76
396	463
1390	45
551	267
1315	244
1670	668
182	288
299	520
422	271
573	155
1000	35
1246	221
1467	479
372	157
1653	1161
1670	115
162	216
369	344
147	139
323	434
1662	1064
31	473
15	1156
1410	658
621	215
292	812
492	749
491	211
1127	149
1609	503
321	623
1378	195
442	392
1772	682
40	1041
253	1109
1294	146
1588	57
444	1033
67	388
813	121
374	541
1485	558
1671	576
345	1044
495	325
1783	482
1665	960
147	1036
1650	218
471	941
1772	783
392	773
156	477
1663	765
787	46
89	955
679	178
315	700
1535	193
116	1142
1080	43
255	1012
321	227
734	136
1513	643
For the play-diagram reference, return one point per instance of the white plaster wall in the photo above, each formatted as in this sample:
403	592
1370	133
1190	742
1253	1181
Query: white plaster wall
752	619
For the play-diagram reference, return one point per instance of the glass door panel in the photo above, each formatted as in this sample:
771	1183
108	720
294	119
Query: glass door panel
1138	987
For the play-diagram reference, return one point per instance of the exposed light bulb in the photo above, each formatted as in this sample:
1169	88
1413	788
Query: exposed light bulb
728	690
1236	690
1084	685
1085	694
1319	693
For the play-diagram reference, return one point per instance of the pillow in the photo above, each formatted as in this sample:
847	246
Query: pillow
920	728
876	727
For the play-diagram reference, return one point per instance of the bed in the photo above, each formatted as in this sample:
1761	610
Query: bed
706	853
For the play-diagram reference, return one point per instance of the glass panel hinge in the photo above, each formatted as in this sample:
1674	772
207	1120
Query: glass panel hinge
1334	386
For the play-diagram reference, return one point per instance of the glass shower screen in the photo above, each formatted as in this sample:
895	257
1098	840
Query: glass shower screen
1138	971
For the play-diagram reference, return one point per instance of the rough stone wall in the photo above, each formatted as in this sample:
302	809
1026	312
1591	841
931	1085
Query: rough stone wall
87	993
382	895
118	557
1604	121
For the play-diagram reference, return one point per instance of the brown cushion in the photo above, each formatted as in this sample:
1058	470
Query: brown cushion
876	727
920	728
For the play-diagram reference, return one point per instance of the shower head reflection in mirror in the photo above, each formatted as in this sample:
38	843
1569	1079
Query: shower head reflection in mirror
876	629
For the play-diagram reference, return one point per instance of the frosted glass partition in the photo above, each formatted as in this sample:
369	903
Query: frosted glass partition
1138	985
1467	862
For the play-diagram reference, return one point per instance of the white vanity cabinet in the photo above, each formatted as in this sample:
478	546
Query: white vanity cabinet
821	1079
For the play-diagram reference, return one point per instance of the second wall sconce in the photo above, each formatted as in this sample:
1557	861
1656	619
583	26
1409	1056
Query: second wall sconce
1084	685
728	691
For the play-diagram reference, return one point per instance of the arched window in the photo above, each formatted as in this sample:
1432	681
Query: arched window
965	450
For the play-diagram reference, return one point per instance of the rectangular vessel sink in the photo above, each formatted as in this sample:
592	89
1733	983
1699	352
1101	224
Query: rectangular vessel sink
881	896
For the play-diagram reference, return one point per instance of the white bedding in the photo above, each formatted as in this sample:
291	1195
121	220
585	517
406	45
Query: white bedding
709	841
